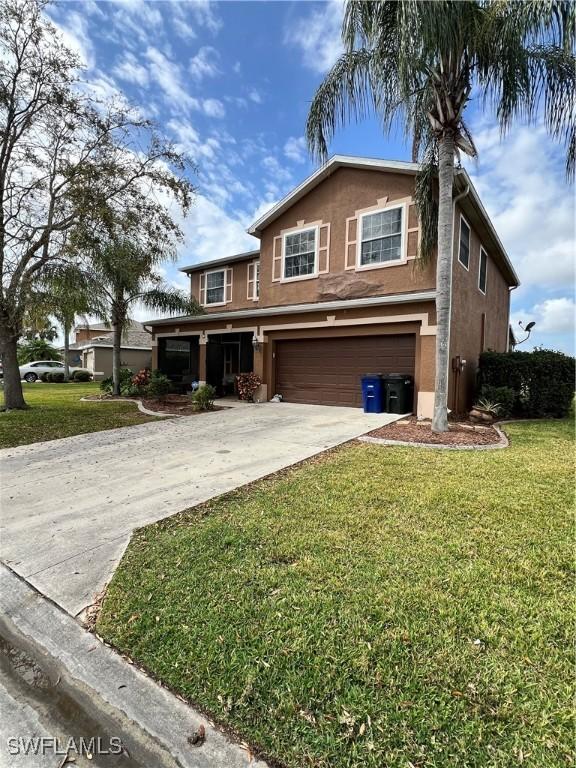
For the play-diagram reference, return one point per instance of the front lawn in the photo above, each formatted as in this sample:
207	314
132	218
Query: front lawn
386	607
56	411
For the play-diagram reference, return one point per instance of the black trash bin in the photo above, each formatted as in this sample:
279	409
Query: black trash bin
398	393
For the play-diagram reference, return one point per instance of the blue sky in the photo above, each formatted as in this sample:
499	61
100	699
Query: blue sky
231	82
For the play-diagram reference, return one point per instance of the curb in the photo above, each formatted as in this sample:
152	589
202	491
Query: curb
139	403
503	443
153	724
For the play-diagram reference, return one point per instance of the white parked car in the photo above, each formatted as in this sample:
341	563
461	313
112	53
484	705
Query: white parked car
32	371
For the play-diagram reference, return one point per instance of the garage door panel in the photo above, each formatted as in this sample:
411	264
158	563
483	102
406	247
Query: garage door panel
328	371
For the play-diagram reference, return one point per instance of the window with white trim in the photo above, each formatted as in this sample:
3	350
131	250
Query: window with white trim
381	237
256	280
215	286
300	254
464	246
482	270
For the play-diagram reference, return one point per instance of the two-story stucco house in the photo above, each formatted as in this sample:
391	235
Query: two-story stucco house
334	291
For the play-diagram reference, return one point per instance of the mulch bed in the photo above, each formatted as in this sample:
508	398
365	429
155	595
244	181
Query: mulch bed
178	404
461	433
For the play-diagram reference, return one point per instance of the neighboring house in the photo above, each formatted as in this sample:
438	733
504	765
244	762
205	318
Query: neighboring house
334	291
92	349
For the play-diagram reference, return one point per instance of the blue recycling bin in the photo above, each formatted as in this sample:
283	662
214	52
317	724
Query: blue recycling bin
372	393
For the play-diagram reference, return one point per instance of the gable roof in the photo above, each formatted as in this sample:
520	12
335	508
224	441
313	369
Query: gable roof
217	262
335	162
462	181
135	336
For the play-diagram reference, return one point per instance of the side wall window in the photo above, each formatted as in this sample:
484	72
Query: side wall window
464	246
482	270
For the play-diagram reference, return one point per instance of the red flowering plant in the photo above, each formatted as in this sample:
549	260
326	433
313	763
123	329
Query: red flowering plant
247	384
140	381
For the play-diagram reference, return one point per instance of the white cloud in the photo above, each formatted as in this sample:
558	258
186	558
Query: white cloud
318	35
204	13
168	76
204	64
212	108
130	70
295	149
554	324
555	315
255	96
137	20
211	233
74	30
521	182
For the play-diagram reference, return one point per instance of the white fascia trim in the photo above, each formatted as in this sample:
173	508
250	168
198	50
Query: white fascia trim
320	306
337	161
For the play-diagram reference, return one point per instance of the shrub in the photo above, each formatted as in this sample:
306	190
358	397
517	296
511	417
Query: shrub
81	376
158	386
140	381
45	376
56	377
542	380
504	396
247	384
203	398
107	384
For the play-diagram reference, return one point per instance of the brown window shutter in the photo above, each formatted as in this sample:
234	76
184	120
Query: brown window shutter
202	289
277	260
351	243
228	298
251	268
324	249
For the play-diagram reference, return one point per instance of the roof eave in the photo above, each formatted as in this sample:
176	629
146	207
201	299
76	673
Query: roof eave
320	306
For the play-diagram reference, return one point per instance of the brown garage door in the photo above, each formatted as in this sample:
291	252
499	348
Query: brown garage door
328	371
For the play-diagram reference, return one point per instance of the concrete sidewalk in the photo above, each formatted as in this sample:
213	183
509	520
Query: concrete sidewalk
88	690
69	506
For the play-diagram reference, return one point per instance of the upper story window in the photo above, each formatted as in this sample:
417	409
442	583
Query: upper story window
464	246
381	237
215	286
299	254
482	270
257	280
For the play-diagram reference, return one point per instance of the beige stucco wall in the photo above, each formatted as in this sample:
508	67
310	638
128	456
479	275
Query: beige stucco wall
135	359
478	322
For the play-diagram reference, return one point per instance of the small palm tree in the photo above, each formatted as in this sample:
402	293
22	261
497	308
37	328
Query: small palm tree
416	63
64	293
122	273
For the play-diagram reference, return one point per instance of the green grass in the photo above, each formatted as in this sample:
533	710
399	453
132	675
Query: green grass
386	607
56	411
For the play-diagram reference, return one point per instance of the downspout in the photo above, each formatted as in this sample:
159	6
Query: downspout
454	201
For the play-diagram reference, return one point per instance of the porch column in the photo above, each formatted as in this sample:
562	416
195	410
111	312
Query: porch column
259	368
202	341
154	355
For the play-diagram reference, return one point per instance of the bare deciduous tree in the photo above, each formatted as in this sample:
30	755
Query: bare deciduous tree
65	159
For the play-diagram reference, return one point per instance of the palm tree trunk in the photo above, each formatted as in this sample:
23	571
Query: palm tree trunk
13	395
443	279
66	329
116	354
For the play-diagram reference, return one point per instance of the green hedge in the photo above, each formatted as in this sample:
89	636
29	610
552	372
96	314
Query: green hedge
542	381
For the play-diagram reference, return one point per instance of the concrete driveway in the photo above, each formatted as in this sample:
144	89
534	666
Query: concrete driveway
69	506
